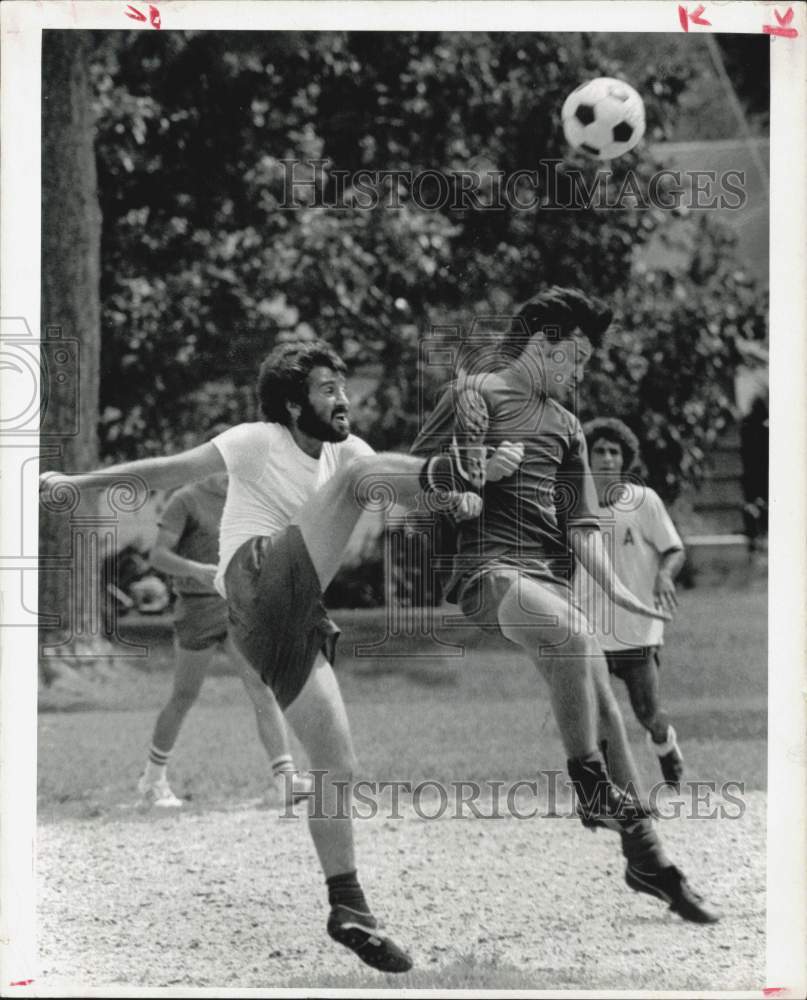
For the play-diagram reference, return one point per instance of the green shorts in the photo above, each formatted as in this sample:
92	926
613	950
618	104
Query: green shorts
277	618
200	620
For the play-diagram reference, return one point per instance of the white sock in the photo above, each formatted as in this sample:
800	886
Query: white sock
669	743
283	764
157	764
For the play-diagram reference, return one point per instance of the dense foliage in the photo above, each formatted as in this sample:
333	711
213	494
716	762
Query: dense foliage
203	269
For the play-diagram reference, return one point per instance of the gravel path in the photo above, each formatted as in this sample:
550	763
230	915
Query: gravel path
233	898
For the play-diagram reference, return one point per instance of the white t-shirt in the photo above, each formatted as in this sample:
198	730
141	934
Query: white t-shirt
637	531
270	478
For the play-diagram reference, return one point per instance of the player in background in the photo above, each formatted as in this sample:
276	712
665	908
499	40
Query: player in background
187	549
648	554
298	481
513	434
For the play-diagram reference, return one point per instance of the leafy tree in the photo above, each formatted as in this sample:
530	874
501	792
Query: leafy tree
71	233
204	269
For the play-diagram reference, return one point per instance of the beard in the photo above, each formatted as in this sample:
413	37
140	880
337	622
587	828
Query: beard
323	430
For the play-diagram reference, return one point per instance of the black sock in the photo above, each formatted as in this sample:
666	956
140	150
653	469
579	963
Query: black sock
589	779
344	890
641	846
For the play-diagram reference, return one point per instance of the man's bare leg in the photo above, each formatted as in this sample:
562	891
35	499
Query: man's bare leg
620	760
190	667
269	718
327	520
320	721
535	617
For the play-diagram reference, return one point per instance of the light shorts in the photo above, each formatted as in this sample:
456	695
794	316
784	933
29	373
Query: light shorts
200	620
277	618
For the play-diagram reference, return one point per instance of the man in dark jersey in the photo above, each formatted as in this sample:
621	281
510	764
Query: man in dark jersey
525	451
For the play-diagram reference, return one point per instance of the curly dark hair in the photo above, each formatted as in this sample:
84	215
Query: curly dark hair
283	376
616	432
558	313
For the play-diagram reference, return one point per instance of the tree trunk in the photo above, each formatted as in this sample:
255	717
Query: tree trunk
71	311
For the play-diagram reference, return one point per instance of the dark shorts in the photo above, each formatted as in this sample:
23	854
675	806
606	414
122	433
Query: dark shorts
480	593
200	620
277	618
622	661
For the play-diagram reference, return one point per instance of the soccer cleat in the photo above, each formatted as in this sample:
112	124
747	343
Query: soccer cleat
157	793
600	803
670	885
670	759
614	810
471	424
360	932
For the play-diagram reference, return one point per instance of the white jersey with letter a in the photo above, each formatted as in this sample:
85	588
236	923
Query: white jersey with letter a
637	531
270	478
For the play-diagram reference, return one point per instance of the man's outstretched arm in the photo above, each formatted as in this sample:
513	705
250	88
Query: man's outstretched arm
166	559
156	473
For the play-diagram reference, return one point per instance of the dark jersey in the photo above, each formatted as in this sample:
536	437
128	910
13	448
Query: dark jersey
526	515
194	513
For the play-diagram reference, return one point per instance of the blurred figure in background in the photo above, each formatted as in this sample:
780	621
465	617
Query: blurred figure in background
187	549
647	553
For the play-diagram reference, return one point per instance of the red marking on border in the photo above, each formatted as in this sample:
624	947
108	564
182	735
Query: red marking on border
22	982
136	15
684	16
782	31
775	991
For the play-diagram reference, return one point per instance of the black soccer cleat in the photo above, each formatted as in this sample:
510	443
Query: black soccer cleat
600	803
669	885
613	810
360	932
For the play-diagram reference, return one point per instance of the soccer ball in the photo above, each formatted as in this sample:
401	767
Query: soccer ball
604	117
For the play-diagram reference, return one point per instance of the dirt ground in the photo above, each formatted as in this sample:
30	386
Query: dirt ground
227	895
233	898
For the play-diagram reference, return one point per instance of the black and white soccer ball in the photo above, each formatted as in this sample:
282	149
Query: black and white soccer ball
603	117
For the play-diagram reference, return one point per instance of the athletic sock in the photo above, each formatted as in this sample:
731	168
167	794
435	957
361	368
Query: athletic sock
589	778
344	890
157	763
641	845
283	764
666	745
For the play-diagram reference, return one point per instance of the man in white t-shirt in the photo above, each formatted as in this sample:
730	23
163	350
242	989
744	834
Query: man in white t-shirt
647	553
298	482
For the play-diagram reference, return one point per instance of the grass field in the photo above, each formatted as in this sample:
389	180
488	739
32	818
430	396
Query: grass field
480	716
